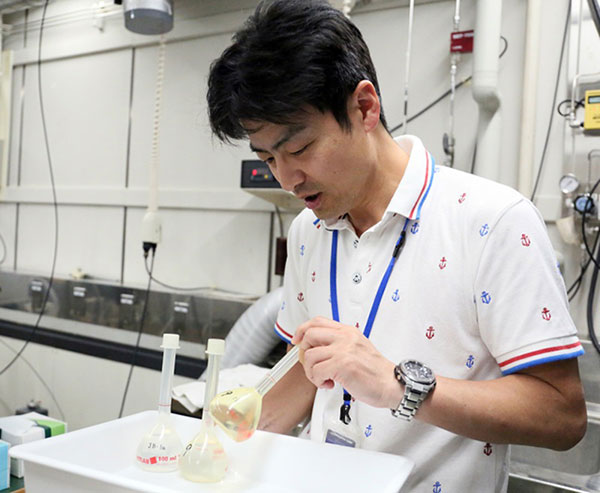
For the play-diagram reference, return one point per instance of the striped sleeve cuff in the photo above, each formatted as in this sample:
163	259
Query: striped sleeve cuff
286	336
540	353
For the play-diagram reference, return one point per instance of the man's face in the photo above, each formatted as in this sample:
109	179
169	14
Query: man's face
321	163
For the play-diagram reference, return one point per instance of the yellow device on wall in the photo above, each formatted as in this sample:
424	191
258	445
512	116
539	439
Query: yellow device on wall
591	122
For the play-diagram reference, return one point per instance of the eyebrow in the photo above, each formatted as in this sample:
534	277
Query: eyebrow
290	132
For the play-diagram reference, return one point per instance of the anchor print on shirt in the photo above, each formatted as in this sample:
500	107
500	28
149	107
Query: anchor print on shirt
470	361
487	449
485	229
283	306
462	198
368	431
414	228
370	266
525	241
300	297
437	487
313	276
302	248
442	263
486	298
546	314
395	296
430	333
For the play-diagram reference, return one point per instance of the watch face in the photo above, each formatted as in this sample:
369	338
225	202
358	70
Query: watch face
418	372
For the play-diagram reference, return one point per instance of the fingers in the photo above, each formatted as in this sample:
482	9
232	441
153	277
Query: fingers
317	322
318	331
321	366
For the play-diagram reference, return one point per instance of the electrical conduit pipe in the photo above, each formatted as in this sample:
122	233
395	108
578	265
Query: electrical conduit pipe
529	97
485	87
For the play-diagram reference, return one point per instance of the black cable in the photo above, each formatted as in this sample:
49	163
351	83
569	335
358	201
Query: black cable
431	105
574	288
578	104
505	46
560	62
446	94
590	304
140	330
198	288
474	157
280	220
51	171
40	378
3	250
583	223
576	285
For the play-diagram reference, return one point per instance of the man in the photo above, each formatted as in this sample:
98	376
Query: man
410	287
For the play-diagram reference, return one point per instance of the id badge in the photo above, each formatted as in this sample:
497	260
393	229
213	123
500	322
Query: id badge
338	439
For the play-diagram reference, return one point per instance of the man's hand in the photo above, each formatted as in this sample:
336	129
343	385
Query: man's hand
334	352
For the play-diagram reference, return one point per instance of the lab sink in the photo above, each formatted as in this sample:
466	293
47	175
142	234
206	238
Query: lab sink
534	469
583	459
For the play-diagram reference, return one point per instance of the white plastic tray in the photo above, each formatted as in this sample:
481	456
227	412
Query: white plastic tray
100	459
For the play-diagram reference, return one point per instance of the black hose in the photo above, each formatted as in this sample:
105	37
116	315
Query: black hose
590	303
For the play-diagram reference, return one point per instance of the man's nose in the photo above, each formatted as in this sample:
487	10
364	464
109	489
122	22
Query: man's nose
290	176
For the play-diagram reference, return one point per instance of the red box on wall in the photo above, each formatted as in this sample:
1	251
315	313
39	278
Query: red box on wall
461	42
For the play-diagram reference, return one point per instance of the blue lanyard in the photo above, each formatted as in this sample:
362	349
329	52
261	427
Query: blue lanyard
345	409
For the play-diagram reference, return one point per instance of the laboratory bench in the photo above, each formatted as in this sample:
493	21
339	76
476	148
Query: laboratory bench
102	319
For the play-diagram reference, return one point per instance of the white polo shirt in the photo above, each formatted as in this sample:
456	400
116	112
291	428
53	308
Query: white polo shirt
475	294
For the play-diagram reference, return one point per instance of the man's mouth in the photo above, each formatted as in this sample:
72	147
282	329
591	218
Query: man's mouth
312	201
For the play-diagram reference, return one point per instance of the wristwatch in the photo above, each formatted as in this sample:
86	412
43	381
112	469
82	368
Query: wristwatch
418	381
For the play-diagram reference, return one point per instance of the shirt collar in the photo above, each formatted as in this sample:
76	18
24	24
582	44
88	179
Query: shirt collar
416	181
412	189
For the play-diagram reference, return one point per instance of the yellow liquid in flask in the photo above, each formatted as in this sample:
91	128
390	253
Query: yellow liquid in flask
237	412
204	459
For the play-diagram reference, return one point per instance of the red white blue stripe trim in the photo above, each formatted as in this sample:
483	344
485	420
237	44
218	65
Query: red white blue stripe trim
429	172
286	336
537	354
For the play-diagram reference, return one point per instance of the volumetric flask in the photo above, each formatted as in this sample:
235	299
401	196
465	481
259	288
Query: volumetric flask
237	411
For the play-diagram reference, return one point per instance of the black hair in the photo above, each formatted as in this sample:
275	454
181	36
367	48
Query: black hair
289	55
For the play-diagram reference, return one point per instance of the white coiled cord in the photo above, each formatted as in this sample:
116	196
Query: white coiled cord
160	75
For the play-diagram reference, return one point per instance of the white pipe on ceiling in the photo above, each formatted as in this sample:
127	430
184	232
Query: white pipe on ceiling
529	98
485	87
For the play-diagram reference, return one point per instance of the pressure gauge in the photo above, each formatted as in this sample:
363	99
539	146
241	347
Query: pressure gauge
584	203
568	184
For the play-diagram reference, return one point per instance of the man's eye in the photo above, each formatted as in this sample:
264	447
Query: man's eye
269	160
299	151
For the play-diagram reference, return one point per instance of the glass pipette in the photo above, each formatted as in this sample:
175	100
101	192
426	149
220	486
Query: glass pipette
237	411
160	448
204	459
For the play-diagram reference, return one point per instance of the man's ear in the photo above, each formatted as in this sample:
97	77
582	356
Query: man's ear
365	105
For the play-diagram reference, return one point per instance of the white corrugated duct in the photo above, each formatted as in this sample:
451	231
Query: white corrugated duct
485	87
